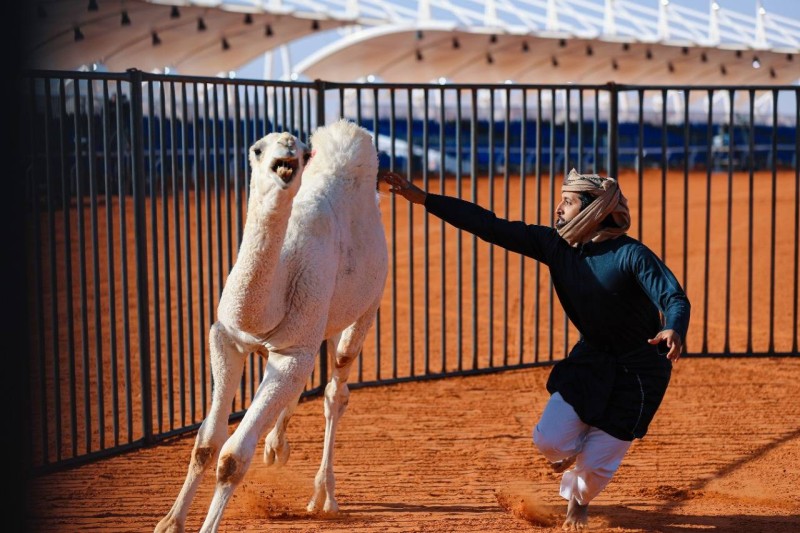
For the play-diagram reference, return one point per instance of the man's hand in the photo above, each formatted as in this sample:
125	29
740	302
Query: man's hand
673	340
404	188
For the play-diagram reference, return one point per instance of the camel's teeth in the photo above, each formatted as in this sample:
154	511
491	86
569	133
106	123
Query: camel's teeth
284	173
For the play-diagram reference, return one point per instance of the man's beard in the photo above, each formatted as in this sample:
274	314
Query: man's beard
560	223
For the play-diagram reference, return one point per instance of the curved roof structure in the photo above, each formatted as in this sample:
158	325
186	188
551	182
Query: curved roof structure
466	41
190	37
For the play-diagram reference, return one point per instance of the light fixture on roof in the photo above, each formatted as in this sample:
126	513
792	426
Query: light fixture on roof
201	24
723	70
626	46
614	64
125	20
772	73
562	43
315	24
419	55
762	11
456	44
554	61
685	50
248	18
670	66
756	62
789	57
370	78
649	54
589	50
155	39
493	38
174	13
525	47
738	53
225	44
420	35
268	30
93	5
704	57
167	70
489	58
715	6
442	80
77	34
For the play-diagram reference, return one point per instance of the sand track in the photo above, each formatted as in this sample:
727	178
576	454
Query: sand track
455	455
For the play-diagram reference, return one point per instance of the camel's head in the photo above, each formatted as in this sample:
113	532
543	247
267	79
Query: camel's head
278	159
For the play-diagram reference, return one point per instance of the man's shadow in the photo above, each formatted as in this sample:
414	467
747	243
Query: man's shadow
670	521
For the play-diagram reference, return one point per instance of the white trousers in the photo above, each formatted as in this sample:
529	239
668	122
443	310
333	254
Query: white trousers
560	434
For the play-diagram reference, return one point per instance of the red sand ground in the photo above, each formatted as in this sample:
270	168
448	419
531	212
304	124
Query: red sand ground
455	455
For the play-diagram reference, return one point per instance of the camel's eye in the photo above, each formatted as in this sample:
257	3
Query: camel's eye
306	157
257	151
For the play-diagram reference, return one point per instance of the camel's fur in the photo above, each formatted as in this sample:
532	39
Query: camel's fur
312	265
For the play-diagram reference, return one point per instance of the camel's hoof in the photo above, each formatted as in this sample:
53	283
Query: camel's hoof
276	454
312	506
330	507
168	524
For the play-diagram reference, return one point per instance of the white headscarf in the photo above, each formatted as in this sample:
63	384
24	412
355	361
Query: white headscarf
586	226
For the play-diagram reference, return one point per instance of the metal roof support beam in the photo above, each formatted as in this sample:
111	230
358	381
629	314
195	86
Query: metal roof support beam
424	11
761	36
490	14
609	23
663	20
713	23
552	16
353	9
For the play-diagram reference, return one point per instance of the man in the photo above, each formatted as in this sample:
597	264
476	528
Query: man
616	291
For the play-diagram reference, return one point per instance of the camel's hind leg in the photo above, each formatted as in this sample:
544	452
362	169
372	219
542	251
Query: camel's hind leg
227	364
337	394
285	378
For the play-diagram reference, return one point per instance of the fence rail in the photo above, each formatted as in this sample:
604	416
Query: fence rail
137	187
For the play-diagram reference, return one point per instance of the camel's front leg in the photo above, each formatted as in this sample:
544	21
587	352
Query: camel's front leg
227	364
284	380
276	444
337	394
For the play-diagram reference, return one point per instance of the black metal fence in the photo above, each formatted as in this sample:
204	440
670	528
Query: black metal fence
137	188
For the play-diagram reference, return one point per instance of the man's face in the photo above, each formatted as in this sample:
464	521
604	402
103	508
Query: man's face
568	208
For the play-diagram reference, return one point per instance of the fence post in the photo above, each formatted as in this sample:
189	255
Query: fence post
320	88
613	129
142	304
319	85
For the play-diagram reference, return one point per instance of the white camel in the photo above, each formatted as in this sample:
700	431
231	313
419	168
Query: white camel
312	265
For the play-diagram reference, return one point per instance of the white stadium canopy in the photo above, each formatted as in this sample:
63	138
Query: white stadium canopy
459	41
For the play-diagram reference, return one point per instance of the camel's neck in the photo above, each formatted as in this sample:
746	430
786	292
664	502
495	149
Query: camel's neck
248	285
265	226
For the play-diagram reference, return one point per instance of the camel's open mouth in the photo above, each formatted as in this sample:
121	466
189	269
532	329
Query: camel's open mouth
284	168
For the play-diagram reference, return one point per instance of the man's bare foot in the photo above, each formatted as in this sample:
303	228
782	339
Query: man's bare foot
560	466
577	516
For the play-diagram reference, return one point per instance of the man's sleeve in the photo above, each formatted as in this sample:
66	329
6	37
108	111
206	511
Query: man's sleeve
663	288
517	236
